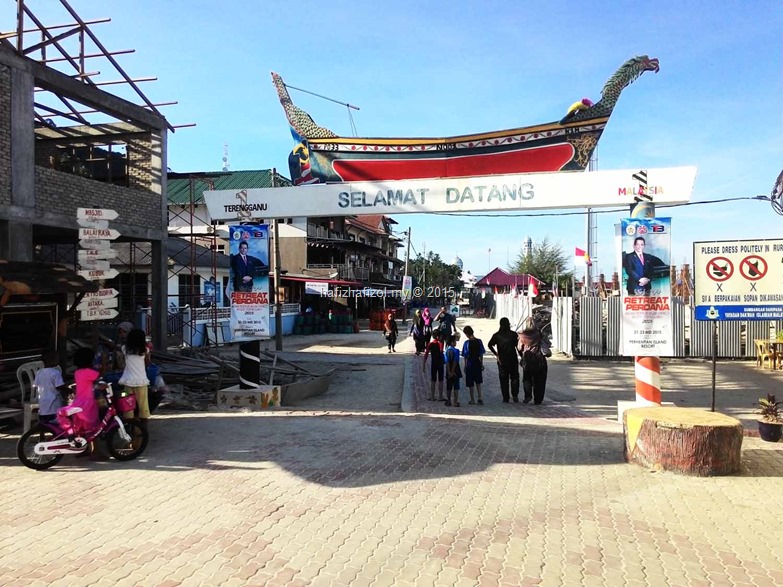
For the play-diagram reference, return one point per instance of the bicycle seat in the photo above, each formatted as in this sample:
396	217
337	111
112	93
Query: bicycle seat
70	411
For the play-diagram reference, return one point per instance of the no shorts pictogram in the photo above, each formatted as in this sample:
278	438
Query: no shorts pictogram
719	269
753	267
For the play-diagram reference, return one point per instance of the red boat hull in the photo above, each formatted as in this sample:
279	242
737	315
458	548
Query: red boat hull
551	158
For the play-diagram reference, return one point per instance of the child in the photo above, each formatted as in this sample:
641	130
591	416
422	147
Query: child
134	377
84	377
51	388
435	350
453	372
473	351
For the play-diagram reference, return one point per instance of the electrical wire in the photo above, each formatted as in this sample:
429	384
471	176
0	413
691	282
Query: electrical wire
593	210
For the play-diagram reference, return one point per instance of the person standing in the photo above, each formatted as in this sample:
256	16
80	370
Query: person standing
473	351
427	319
503	345
453	373
534	349
437	363
134	377
390	331
447	326
417	332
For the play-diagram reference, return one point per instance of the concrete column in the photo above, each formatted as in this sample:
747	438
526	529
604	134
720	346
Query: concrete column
160	267
18	238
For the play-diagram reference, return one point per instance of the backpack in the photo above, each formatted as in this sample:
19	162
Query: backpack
533	360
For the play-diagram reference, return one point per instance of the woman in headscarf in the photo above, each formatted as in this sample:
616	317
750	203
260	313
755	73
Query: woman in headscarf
534	349
426	318
417	332
390	332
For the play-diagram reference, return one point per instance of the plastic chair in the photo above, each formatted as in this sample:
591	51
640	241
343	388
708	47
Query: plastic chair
25	374
765	352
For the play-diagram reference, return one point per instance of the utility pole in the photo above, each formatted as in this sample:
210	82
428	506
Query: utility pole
405	277
424	273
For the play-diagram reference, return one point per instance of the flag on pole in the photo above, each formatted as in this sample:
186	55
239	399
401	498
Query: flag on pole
532	289
581	257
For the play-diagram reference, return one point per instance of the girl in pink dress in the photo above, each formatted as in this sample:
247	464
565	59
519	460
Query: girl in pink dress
85	377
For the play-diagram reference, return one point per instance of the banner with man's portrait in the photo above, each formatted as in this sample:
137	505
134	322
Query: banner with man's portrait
249	281
646	287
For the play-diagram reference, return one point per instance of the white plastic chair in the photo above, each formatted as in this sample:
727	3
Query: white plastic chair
25	374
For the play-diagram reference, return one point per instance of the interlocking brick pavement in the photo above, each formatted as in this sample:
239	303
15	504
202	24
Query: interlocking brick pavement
347	490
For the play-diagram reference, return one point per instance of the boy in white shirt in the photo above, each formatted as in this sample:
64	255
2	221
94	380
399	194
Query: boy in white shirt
51	387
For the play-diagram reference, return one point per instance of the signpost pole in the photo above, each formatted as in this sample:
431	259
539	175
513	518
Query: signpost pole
714	359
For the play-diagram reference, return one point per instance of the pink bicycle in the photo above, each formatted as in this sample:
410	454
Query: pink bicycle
43	446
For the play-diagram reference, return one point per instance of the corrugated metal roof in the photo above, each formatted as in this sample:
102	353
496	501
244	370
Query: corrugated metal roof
179	184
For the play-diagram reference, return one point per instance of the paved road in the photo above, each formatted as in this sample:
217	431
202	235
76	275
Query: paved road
347	489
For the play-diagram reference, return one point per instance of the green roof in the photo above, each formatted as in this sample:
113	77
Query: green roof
179	184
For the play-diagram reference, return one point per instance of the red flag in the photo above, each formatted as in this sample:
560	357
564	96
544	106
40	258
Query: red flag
532	289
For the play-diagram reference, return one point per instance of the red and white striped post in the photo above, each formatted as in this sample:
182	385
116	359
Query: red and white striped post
647	371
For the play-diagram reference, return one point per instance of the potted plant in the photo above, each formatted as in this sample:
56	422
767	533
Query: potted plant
771	421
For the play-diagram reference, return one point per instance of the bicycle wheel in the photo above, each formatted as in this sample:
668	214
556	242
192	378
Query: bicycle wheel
25	449
123	451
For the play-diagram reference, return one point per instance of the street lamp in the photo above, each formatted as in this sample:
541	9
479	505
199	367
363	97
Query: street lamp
489	260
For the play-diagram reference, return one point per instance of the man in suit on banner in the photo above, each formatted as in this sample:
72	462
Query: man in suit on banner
245	267
641	268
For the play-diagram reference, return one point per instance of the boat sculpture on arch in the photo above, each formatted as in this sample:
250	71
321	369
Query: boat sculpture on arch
321	156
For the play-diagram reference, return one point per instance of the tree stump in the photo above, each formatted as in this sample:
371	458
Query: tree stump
683	440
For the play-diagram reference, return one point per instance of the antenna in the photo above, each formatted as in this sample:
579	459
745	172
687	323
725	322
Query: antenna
226	164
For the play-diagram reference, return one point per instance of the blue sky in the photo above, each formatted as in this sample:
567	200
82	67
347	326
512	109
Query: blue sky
419	68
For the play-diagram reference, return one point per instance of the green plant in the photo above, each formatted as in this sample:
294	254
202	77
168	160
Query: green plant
769	411
779	335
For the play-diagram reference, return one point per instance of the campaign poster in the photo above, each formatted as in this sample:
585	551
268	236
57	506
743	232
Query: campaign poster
646	287
249	281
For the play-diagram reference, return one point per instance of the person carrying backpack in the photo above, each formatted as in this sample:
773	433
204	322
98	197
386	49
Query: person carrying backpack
437	362
534	349
473	351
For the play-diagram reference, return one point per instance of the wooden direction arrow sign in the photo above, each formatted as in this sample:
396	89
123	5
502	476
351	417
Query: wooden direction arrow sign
95	244
97	314
96	213
97	254
94	264
93	274
90	223
106	292
98	304
99	233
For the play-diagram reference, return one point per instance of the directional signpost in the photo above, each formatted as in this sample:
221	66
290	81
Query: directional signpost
95	238
97	303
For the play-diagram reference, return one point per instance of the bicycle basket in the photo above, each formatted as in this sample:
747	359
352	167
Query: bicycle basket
126	402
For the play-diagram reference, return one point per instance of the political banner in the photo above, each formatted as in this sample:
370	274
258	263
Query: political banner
646	287
249	281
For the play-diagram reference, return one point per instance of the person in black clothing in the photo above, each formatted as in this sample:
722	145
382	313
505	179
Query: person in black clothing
534	348
641	269
503	345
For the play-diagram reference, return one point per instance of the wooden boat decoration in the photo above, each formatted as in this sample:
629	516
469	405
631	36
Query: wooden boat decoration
321	156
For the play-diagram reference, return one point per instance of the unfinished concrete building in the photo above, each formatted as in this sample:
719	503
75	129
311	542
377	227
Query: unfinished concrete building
55	160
